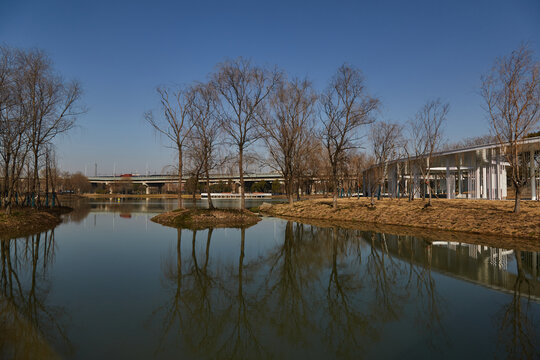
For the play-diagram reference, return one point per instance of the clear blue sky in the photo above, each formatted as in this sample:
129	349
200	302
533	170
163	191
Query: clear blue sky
409	51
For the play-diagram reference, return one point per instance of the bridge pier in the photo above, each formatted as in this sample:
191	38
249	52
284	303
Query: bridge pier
147	188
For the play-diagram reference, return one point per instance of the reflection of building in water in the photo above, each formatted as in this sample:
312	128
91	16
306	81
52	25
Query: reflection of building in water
478	264
494	256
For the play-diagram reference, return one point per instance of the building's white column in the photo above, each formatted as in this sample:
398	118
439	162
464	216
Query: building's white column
460	180
469	184
414	184
494	182
489	179
504	182
489	182
477	189
498	176
533	177
448	185
396	180
390	180
484	183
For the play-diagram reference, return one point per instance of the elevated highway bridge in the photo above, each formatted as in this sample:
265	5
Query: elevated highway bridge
158	181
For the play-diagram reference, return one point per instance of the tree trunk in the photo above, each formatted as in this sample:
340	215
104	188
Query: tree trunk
36	187
517	204
47	179
241	169
180	202
334	200
207	172
8	200
5	201
289	187
195	187
424	189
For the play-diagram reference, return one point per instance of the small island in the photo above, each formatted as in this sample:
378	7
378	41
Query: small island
198	219
27	221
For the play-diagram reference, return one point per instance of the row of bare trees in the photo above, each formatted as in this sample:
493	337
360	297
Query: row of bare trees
308	134
36	105
243	103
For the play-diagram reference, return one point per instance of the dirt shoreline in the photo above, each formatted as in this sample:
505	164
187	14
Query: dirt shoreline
25	222
473	221
198	219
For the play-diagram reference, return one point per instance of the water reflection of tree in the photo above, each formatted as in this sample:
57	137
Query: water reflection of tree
516	328
386	274
287	291
349	324
81	209
209	309
429	304
310	291
28	325
240	338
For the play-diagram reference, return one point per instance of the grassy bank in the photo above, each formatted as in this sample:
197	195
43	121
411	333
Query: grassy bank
493	218
204	218
23	222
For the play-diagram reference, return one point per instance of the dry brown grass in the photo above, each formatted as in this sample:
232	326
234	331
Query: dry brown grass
493	218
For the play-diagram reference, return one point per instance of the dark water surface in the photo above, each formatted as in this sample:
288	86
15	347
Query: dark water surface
111	284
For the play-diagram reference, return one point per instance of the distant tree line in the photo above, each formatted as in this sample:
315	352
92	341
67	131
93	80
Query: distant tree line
36	105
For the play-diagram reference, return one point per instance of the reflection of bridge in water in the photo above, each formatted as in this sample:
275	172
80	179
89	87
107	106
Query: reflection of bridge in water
477	264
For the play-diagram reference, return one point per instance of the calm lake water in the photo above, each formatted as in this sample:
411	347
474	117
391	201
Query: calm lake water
110	284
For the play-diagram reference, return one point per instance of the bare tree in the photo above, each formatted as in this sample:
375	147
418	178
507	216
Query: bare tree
206	132
346	106
288	129
385	143
427	136
175	123
511	91
243	89
358	163
49	102
312	164
79	183
406	151
14	145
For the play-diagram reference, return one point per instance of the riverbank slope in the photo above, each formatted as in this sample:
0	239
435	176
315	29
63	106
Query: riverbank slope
24	222
470	216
